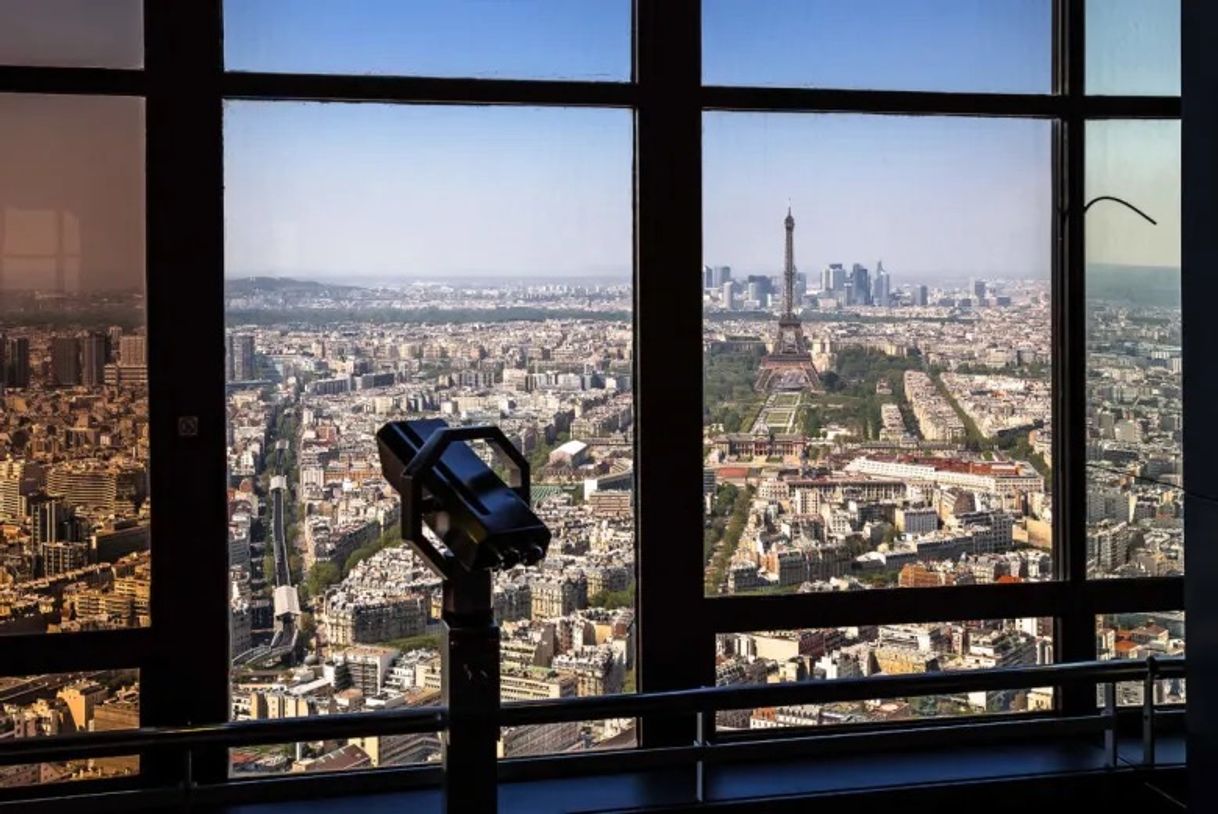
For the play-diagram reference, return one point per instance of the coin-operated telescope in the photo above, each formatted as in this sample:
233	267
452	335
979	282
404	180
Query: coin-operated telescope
484	525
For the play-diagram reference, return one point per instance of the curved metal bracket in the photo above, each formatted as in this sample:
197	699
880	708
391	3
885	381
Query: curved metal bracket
414	505
433	449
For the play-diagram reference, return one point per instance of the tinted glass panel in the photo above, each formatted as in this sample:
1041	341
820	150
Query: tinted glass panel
67	703
74	447
1135	499
525	39
72	33
1133	47
1140	636
877	422
392	263
944	45
825	654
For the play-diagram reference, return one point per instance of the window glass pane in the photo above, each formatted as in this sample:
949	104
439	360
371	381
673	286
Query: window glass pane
392	263
72	33
820	654
63	704
878	422
523	39
1135	499
1139	636
1133	47
1001	46
74	507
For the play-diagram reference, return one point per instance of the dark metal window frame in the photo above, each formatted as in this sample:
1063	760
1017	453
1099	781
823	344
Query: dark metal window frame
183	656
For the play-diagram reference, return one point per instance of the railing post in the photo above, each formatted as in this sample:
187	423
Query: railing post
706	725
1111	749
1148	712
471	693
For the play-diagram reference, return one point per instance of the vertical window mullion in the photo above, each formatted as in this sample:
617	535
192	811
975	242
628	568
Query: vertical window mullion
1199	256
185	677
676	643
1076	625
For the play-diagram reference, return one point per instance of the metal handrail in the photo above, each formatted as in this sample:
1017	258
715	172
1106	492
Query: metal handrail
823	692
230	734
701	700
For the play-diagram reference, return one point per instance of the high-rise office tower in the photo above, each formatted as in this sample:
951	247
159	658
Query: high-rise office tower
65	361
240	362
728	298
47	513
93	359
133	351
17	363
979	289
881	290
708	278
114	335
758	287
833	278
838	274
10	495
860	278
723	274
921	296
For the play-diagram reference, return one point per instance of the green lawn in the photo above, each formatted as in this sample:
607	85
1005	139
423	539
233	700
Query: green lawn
778	418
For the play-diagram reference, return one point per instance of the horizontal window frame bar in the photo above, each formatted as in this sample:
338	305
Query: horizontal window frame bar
238	789
252	86
73	81
269	86
743	613
450	90
233	734
935	103
132	786
39	653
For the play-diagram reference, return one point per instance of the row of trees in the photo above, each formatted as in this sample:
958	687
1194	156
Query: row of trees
1012	444
728	397
726	548
721	509
324	574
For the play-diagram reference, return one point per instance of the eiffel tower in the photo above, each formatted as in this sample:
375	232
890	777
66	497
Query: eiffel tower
788	366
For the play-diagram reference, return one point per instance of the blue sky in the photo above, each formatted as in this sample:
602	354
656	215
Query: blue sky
380	190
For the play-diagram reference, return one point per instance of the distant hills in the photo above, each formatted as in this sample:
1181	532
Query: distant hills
1136	285
238	286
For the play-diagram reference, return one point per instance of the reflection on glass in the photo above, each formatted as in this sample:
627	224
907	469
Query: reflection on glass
1133	47
1135	500
521	39
396	262
1140	636
72	33
74	508
875	424
825	654
949	45
66	703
